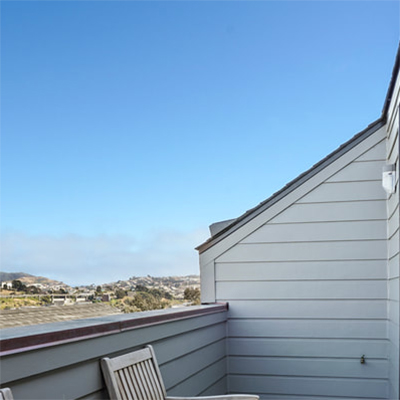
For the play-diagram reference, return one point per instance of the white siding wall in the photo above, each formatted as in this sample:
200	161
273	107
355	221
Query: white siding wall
307	286
393	247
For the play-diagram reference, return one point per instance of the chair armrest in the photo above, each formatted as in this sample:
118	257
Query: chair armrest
223	397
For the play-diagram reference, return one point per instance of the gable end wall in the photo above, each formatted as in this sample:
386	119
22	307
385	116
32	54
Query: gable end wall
306	282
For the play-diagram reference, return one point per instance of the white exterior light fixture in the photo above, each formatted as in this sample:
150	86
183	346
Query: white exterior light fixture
389	178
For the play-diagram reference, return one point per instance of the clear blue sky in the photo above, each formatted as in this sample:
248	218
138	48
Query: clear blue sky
128	127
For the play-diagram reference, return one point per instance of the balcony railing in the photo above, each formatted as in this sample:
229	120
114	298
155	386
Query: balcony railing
62	360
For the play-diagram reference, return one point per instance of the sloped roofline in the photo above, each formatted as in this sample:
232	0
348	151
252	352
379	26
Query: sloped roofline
292	185
305	176
392	83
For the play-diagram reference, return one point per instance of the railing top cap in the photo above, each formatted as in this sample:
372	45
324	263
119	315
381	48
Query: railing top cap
43	335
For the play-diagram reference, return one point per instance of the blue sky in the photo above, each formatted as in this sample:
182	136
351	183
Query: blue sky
129	127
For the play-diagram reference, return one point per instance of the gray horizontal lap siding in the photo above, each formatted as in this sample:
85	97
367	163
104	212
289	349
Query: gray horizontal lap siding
190	352
308	291
392	128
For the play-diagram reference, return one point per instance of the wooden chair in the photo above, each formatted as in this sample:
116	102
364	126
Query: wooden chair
6	394
136	376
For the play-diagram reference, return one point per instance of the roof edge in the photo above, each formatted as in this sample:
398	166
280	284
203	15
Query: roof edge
392	83
292	185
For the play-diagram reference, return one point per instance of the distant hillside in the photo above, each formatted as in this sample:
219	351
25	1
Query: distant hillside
10	276
27	279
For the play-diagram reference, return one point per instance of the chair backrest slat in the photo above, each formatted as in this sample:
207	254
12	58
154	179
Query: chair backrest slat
120	375
128	378
136	385
6	394
135	388
141	381
134	376
154	384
